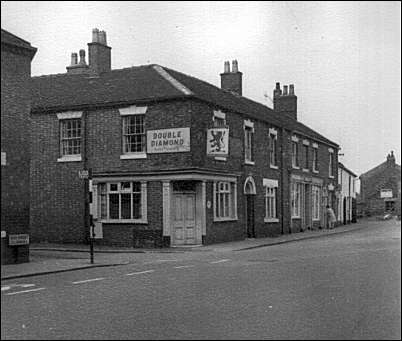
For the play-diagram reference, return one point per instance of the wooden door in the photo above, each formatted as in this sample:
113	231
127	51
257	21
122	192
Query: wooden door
184	225
250	216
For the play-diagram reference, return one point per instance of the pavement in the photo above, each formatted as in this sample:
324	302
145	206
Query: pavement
52	258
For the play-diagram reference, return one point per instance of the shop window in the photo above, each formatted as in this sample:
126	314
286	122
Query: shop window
224	201
122	201
316	202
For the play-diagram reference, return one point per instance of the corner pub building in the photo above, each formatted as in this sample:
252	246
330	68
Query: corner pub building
174	160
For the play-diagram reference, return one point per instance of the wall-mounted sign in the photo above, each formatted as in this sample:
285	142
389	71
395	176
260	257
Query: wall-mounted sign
386	193
331	187
218	141
3	159
18	239
175	140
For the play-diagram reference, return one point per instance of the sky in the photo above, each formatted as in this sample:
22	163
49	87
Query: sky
344	58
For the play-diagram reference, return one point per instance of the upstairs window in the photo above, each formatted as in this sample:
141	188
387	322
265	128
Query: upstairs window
273	145
305	157
219	119
315	158
295	154
248	141
70	137
134	139
331	163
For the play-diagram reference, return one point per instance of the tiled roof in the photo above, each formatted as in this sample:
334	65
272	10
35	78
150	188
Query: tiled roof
11	39
145	83
379	169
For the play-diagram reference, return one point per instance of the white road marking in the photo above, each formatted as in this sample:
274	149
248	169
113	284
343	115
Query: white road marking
8	287
89	280
220	261
140	272
184	266
21	292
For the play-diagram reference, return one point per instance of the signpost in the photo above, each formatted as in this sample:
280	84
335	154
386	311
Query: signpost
86	175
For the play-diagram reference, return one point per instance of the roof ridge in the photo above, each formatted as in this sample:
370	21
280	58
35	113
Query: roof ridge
173	81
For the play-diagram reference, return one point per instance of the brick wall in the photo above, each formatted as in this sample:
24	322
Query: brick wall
15	107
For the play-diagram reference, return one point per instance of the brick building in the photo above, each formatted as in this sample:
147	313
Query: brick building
380	188
174	160
347	195
16	57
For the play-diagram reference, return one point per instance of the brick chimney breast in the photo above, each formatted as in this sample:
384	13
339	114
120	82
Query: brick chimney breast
285	102
232	81
99	54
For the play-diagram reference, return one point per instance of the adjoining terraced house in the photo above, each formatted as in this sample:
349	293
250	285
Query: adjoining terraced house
174	160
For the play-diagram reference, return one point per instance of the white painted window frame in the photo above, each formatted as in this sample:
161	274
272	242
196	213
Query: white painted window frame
64	116
316	202
273	132
131	111
107	220
232	201
248	127
295	189
295	157
315	152
268	185
331	164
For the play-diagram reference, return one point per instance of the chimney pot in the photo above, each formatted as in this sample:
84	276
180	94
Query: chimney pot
102	37
226	67
95	35
235	67
74	59
278	86
291	89
285	90
82	57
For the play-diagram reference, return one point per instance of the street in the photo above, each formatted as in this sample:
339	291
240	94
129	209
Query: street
342	286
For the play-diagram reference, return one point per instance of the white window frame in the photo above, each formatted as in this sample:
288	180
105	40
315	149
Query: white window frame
295	156
273	141
248	143
316	202
107	219
230	190
306	156
219	116
124	113
315	158
271	200
63	117
331	161
295	191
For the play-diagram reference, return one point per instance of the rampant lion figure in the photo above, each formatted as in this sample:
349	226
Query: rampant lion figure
217	140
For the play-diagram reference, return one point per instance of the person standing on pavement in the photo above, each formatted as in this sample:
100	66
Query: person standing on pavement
331	219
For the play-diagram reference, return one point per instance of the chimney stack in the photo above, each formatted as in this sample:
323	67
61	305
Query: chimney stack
99	54
74	59
284	102
232	81
82	57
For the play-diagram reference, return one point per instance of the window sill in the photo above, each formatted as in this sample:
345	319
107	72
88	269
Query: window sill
133	156
127	221
331	176
295	167
220	158
317	219
273	167
296	218
306	170
315	171
70	158
218	220
247	162
271	220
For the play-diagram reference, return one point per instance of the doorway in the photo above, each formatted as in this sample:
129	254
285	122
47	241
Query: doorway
184	223
344	211
249	191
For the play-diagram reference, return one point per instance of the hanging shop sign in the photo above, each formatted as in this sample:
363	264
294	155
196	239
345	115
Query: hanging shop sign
175	140
218	141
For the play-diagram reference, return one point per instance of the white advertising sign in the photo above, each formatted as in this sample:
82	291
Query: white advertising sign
386	193
173	140
218	141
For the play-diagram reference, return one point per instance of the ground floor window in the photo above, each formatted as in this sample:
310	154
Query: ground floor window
225	200
389	206
271	187
316	202
122	201
295	199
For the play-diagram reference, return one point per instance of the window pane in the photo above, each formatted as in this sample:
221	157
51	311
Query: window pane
137	206
125	206
114	206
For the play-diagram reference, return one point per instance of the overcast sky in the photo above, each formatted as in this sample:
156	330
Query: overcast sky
344	58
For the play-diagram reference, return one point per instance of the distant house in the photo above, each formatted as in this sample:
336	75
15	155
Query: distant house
347	199
16	57
380	188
